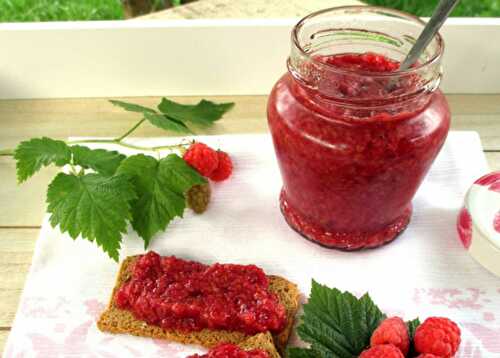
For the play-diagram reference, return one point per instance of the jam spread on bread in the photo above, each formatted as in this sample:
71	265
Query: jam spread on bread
232	351
189	296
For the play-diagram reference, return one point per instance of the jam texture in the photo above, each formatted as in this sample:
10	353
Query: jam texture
232	351
189	296
352	162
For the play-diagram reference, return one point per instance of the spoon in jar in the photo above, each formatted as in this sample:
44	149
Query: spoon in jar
441	13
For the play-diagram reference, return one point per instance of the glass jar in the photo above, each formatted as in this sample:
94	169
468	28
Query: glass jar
353	135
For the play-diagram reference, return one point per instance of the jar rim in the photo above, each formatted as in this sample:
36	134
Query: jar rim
401	14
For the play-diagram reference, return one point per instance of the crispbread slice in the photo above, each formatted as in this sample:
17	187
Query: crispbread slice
115	320
263	341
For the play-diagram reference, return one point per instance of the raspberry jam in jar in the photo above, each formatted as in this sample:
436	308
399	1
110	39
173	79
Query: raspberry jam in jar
353	135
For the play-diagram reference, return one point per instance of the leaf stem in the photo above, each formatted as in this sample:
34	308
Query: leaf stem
72	169
131	146
6	153
127	133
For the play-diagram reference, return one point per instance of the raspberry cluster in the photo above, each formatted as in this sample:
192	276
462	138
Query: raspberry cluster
213	164
437	337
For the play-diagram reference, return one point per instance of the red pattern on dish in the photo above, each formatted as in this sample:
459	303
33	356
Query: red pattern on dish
495	187
496	222
464	227
488	179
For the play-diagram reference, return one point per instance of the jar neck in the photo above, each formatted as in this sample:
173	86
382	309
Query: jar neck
351	88
372	38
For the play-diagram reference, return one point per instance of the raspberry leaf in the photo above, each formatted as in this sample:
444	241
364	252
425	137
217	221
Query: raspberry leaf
94	206
131	107
337	324
36	153
160	186
102	161
305	353
165	122
159	120
412	327
204	113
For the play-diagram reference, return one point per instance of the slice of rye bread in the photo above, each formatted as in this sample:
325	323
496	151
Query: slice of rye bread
263	341
116	320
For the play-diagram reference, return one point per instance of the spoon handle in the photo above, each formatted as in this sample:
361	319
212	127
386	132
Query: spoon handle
443	10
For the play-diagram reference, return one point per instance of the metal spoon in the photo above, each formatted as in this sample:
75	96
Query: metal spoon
441	13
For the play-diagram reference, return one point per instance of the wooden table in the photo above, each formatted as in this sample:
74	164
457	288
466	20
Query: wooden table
23	206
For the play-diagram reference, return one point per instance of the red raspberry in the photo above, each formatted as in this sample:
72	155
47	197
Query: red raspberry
224	169
438	336
392	331
202	158
382	351
427	355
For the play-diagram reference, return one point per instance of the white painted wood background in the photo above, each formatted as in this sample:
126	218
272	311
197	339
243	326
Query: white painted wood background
195	57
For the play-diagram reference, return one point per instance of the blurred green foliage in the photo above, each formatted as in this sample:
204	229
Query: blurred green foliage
63	10
466	8
59	10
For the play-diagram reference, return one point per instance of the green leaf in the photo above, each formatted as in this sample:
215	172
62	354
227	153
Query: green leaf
93	206
164	122
304	353
102	161
160	186
412	327
131	107
36	153
157	119
202	114
337	324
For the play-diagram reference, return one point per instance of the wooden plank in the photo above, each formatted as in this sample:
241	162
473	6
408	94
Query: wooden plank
486	125
474	104
23	119
245	9
4	334
16	250
22	205
493	160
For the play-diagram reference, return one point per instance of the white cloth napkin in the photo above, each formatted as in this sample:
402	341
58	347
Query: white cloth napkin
425	272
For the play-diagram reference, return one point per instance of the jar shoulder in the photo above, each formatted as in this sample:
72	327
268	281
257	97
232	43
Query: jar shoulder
288	103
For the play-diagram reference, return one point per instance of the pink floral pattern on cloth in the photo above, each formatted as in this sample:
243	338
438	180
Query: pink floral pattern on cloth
54	328
49	333
480	338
